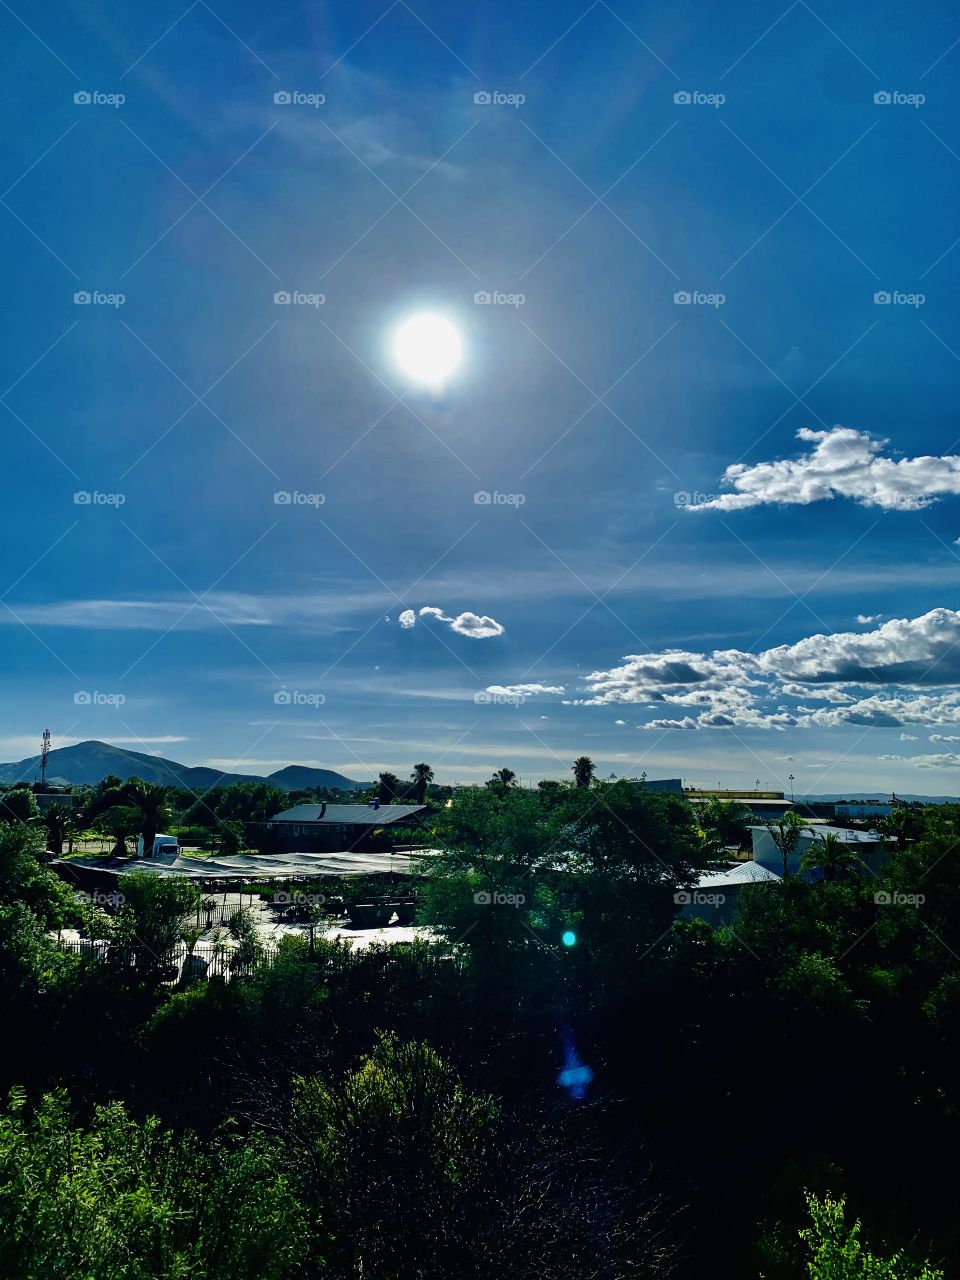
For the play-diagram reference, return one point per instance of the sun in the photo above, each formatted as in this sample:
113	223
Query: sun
427	348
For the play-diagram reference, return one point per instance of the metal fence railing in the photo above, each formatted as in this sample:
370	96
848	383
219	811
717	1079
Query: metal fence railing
206	960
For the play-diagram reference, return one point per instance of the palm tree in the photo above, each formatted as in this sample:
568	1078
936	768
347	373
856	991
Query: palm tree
387	787
583	770
152	803
502	781
119	823
59	820
831	855
421	777
786	836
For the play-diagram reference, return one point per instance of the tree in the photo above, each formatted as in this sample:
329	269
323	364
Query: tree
583	771
154	914
421	777
836	1251
388	785
904	824
786	836
231	837
726	822
152	803
831	855
18	805
502	781
120	823
59	820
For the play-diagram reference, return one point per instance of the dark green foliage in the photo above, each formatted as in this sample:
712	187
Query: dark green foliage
411	1108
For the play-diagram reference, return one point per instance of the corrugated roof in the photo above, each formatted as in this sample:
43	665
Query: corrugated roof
742	873
846	834
363	815
254	867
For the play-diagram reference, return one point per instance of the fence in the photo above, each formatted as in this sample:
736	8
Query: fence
206	960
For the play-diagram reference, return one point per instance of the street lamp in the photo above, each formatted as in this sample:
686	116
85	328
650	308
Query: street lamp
790	780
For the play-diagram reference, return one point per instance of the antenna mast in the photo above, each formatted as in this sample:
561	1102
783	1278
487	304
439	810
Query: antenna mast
44	753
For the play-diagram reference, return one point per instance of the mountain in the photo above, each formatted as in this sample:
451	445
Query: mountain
88	762
298	777
879	795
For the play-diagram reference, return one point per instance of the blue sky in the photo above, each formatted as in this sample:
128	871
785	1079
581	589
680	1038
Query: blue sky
795	617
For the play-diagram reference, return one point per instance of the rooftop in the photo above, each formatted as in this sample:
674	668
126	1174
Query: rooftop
364	815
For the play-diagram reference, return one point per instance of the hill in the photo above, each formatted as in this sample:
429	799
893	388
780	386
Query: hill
298	777
86	763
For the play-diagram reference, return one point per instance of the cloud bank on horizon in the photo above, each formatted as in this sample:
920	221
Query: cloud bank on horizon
843	463
873	679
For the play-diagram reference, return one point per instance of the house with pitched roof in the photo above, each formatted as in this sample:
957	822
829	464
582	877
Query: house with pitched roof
321	828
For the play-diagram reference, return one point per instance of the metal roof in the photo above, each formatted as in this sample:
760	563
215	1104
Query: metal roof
845	834
357	815
252	867
741	873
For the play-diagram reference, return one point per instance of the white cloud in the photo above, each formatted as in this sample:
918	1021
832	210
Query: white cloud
948	760
908	737
476	626
905	672
866	618
945	737
619	722
407	619
523	690
843	463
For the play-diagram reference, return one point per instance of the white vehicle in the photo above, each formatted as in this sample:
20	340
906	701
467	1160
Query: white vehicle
166	848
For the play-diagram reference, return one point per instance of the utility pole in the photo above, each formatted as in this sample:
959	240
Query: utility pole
44	753
790	780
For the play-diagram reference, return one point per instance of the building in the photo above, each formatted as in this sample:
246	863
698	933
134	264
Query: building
715	896
320	828
870	846
865	808
762	804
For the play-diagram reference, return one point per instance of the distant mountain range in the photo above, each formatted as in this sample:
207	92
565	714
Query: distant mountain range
880	795
88	762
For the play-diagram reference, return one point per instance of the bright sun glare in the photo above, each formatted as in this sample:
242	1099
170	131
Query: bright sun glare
427	348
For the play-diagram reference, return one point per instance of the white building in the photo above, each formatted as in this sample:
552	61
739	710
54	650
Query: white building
715	895
870	846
